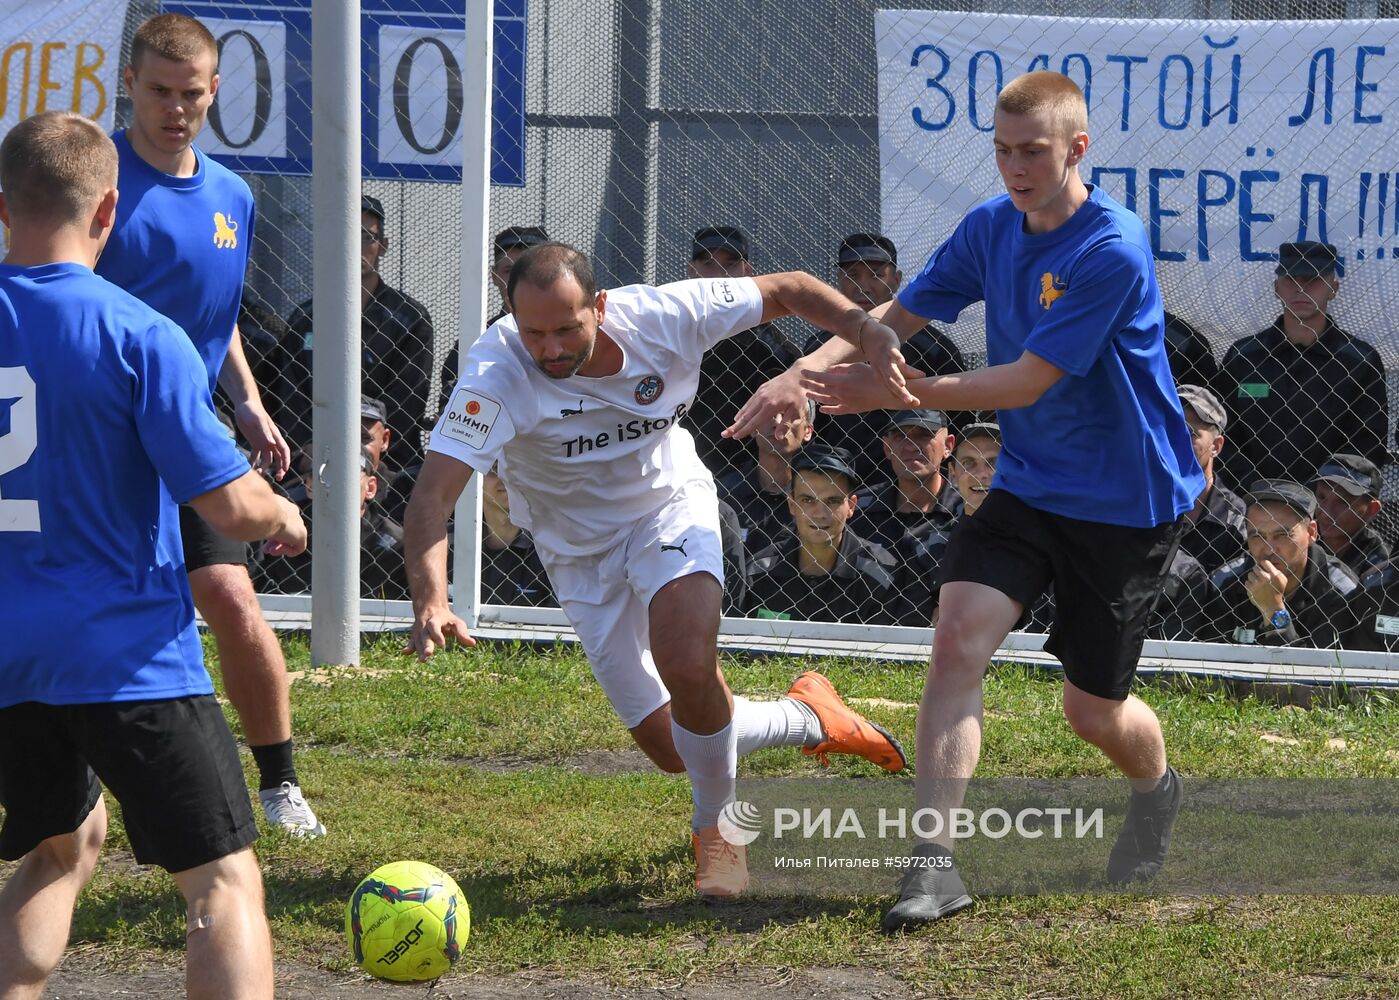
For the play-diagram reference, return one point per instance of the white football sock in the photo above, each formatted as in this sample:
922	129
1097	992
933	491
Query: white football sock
782	723
712	763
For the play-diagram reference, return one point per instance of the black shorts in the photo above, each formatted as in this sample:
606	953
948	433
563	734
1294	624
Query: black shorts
1106	580
206	547
172	765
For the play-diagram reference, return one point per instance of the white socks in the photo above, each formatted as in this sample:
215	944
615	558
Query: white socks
712	761
782	723
712	764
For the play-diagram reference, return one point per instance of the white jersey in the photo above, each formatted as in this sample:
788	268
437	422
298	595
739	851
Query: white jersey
582	458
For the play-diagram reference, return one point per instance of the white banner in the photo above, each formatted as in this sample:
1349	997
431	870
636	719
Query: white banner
59	55
1227	138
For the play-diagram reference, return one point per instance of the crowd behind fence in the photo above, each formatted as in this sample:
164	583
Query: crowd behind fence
672	141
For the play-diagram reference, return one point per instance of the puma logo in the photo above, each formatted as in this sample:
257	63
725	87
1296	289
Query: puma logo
676	548
1050	289
225	232
568	413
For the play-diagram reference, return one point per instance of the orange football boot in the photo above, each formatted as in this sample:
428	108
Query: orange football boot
846	731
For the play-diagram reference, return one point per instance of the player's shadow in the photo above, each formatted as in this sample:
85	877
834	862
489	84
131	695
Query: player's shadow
637	897
596	892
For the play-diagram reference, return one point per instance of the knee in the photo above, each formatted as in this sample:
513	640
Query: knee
959	654
74	855
226	599
233	877
1091	721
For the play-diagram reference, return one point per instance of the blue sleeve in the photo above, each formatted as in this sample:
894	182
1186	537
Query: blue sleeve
951	281
174	412
1105	293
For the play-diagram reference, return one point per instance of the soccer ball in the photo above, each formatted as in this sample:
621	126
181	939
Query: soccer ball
408	922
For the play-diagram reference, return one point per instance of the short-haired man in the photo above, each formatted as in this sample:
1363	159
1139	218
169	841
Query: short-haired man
822	570
396	344
1347	491
734	367
102	679
1094	476
919	499
579	395
180	244
1216	529
1288	591
757	490
974	464
506	248
381	568
867	272
1304	388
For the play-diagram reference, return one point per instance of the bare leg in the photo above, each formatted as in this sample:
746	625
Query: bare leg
36	905
684	625
974	620
1127	731
229	948
254	671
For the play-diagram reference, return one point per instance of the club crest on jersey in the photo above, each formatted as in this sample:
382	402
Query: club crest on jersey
649	389
225	232
1051	289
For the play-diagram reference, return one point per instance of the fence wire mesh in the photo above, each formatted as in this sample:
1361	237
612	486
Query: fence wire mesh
643	123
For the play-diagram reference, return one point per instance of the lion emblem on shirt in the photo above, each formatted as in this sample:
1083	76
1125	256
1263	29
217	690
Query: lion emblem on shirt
225	232
1051	288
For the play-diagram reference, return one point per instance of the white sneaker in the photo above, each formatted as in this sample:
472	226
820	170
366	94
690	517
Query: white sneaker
286	807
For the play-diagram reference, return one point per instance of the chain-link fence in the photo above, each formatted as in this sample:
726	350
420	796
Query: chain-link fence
845	139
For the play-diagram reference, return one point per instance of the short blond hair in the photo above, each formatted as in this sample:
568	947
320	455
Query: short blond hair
176	37
56	166
1045	90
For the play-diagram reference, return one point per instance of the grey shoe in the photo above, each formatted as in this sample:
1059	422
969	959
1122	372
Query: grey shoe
287	808
1146	833
927	892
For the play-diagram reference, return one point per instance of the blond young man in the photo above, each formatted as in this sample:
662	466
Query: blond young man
1095	471
111	415
183	232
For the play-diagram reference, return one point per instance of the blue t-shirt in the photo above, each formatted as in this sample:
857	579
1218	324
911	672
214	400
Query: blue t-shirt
105	421
181	246
1108	442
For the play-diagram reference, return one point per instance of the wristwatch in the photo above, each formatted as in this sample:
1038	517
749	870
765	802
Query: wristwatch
1280	619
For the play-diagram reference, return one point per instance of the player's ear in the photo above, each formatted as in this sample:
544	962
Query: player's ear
128	79
600	304
214	87
371	488
106	215
1078	148
5	213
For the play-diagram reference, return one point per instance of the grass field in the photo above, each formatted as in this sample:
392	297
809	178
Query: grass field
506	767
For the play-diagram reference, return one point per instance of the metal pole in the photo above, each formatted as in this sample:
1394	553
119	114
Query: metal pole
476	220
335	365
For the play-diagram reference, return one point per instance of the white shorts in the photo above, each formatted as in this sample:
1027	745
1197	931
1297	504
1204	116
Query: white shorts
607	596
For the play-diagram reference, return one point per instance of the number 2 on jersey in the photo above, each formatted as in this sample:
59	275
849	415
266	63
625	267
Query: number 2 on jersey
17	446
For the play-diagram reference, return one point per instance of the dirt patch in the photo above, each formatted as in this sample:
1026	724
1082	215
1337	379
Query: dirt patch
86	974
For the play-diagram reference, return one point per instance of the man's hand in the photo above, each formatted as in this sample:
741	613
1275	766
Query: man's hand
432	627
778	401
856	389
269	449
880	346
1266	585
290	538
